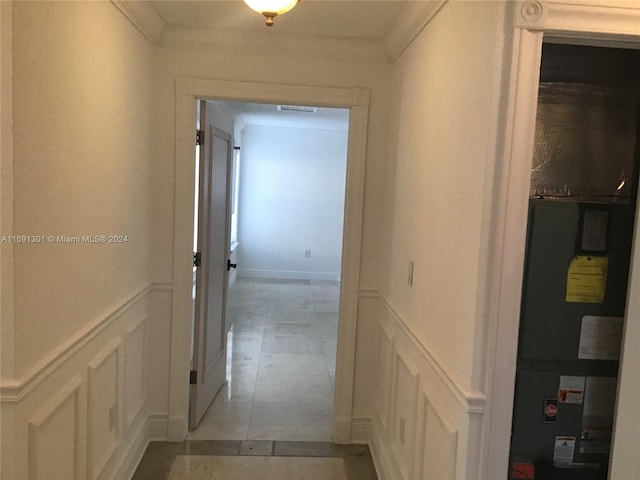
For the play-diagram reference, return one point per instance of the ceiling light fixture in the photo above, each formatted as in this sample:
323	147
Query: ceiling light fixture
271	8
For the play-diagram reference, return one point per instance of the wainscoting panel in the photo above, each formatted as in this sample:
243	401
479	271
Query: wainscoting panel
403	419
104	407
84	413
425	419
439	440
134	377
384	370
54	438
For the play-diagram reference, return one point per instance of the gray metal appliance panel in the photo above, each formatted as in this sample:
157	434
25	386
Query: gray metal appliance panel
550	326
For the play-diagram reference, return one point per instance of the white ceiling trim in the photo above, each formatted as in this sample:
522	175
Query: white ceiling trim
414	17
143	16
232	41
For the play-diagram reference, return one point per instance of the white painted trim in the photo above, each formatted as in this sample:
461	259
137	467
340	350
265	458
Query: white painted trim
154	428
143	16
361	431
187	90
7	320
113	348
509	249
16	391
603	20
71	391
289	275
383	460
136	408
399	358
424	406
413	18
263	42
472	401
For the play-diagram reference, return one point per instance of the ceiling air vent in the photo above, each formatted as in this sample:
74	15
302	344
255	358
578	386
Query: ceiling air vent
297	108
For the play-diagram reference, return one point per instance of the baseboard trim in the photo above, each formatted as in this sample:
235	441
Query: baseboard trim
154	428
176	431
361	431
342	430
383	461
289	275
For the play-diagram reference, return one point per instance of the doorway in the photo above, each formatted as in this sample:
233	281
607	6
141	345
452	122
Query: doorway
517	141
287	212
354	99
580	233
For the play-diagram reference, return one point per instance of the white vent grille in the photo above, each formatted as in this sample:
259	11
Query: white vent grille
297	108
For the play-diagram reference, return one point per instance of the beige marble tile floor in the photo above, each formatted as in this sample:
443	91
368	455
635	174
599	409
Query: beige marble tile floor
255	460
206	467
281	367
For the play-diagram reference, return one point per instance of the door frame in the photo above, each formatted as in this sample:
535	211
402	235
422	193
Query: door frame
603	23
188	90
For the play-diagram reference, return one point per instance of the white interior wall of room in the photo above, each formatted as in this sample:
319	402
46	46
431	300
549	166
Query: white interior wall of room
443	144
78	189
82	151
599	23
292	199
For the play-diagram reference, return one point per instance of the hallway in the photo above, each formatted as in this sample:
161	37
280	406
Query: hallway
281	363
272	420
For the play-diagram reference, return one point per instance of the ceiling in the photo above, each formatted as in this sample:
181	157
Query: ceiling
367	20
268	115
374	31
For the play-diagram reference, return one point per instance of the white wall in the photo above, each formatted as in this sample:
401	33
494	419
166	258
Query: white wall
445	90
82	312
291	199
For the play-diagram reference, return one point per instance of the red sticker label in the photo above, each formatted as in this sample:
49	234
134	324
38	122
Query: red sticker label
550	410
522	470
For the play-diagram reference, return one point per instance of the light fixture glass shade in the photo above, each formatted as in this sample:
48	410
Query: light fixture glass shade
271	8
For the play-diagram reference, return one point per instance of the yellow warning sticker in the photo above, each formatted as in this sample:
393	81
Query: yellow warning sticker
587	279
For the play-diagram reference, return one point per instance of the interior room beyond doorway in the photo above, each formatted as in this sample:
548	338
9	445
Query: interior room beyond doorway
283	303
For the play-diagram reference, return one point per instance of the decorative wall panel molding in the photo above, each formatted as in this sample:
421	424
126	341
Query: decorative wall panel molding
54	436
438	443
134	370
104	408
403	413
384	372
14	392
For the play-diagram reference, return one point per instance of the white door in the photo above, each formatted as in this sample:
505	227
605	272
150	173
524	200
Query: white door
209	348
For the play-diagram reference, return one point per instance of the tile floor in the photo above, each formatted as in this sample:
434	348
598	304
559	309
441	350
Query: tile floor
282	346
254	460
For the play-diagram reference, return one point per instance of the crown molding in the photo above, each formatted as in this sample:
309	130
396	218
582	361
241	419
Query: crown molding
615	19
413	18
264	43
143	16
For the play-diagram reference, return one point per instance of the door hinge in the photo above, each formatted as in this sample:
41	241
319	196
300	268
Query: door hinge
199	137
193	377
197	259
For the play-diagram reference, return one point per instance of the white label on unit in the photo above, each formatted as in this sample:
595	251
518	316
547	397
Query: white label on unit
564	449
600	338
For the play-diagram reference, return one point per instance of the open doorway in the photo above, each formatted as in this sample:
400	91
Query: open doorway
357	101
286	206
